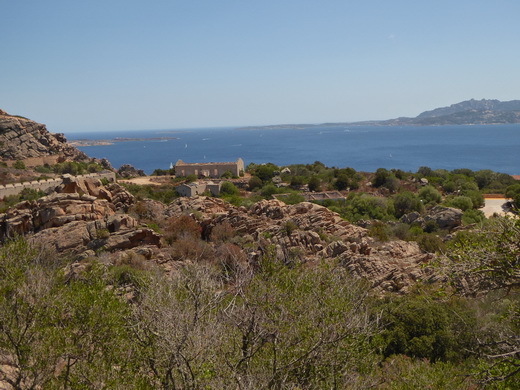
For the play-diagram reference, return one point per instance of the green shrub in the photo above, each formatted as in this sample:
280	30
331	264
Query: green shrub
430	195
254	183
31	194
164	194
163	172
297	181
405	203
268	191
401	231
102	233
314	184
18	164
431	226
43	169
380	231
430	243
227	175
476	198
124	275
289	227
420	327
513	192
292	198
472	216
229	188
460	202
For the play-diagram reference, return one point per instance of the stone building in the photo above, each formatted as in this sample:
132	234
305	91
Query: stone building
198	188
213	169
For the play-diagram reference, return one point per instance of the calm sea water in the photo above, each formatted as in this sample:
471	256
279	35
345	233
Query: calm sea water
364	148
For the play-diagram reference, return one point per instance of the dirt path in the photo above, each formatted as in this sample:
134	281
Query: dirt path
143	180
495	205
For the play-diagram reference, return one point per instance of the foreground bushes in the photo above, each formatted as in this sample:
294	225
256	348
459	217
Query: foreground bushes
221	322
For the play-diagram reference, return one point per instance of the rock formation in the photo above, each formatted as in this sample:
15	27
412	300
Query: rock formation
87	217
84	218
23	139
444	217
307	232
127	171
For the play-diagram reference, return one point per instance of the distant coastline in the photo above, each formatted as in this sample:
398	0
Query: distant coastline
469	112
106	142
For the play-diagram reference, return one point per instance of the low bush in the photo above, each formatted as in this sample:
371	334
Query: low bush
430	243
183	226
18	164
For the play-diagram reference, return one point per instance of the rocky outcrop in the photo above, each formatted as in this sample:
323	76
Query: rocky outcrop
77	220
444	217
307	232
127	171
21	138
24	139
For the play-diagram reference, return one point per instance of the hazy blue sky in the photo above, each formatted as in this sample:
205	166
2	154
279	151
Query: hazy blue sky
132	64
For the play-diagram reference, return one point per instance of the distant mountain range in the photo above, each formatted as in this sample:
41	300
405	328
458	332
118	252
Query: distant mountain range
469	112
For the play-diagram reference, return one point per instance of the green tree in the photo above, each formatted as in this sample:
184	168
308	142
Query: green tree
229	188
314	184
406	202
297	181
254	183
425	172
342	182
513	192
380	178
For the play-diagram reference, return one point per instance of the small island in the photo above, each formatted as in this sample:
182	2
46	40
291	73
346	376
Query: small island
106	142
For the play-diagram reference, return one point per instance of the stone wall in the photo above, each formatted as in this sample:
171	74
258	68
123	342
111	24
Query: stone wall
49	184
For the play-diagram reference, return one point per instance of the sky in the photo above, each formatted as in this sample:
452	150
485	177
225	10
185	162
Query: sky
133	65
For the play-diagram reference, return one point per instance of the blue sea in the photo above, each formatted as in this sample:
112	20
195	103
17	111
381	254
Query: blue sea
364	148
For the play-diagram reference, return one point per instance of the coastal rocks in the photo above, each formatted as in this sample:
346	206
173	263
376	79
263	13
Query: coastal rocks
127	171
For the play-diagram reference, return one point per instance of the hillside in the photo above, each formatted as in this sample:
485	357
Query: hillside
25	140
469	112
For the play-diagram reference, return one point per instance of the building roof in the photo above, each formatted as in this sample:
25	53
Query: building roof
516	177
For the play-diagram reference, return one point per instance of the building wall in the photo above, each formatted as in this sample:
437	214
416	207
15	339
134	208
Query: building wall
191	190
198	189
47	185
214	170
